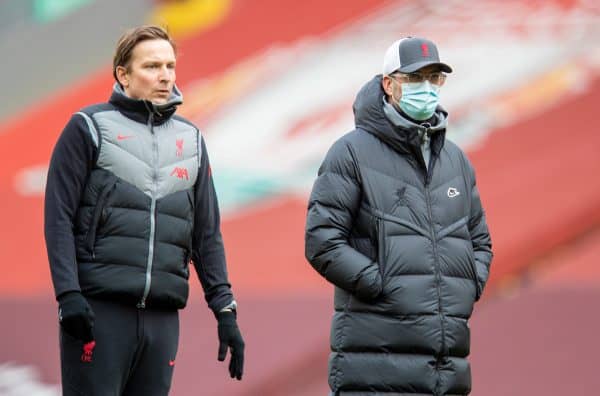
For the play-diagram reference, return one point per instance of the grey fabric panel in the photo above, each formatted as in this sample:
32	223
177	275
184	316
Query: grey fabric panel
127	151
91	128
177	176
178	157
177	140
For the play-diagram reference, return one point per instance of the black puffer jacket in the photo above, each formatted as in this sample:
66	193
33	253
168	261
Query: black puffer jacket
408	250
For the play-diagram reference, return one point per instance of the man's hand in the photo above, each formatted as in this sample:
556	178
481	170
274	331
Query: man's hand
370	284
76	316
230	336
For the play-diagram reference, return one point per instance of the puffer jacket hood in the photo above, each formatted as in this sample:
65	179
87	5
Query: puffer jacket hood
375	115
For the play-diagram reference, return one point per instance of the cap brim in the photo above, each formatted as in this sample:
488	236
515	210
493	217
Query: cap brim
419	65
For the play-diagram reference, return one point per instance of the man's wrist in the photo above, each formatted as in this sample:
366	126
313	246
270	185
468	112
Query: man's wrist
68	296
231	307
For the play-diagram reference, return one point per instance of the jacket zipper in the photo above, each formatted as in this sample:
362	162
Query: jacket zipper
148	282
438	276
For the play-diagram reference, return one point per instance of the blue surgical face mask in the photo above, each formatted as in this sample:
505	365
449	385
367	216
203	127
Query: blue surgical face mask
419	99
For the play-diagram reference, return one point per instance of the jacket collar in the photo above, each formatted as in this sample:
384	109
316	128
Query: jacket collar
143	110
375	115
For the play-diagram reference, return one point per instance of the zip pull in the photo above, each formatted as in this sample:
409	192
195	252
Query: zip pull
150	109
425	135
151	122
426	139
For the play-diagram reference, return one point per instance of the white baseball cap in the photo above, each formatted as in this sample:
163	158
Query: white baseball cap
410	54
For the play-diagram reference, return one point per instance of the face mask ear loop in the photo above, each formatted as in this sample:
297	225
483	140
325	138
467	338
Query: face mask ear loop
392	95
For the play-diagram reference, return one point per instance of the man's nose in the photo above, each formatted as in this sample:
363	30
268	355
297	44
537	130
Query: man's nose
165	74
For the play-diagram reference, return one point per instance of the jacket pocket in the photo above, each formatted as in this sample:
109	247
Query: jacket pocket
475	278
381	255
98	210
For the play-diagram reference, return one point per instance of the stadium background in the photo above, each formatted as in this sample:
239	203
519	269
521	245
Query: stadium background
271	85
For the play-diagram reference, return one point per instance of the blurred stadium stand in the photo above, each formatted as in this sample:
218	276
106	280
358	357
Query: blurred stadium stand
523	103
52	44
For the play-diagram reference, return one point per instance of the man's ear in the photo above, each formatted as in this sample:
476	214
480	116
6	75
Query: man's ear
122	76
386	84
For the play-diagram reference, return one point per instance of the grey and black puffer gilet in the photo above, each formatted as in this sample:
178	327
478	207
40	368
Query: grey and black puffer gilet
133	229
408	250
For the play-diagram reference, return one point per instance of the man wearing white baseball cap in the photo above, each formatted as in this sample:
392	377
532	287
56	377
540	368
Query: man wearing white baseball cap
414	64
396	224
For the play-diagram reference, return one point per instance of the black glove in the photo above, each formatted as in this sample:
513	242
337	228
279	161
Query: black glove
76	316
230	336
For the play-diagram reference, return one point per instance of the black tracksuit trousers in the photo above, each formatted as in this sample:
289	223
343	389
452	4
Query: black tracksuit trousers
134	353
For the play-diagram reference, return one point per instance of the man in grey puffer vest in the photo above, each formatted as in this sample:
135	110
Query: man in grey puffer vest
129	202
395	222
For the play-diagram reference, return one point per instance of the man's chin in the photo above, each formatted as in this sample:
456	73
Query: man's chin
160	101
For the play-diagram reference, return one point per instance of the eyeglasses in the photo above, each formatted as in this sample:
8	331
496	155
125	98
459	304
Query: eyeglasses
437	78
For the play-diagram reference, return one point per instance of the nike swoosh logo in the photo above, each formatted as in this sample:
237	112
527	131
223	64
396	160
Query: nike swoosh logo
123	137
453	192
